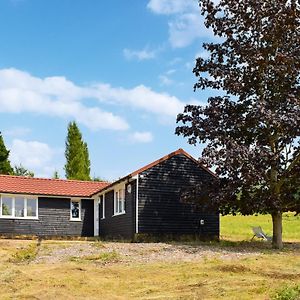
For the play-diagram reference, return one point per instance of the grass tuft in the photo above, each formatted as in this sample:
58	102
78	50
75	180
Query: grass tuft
98	244
26	254
104	257
233	268
287	293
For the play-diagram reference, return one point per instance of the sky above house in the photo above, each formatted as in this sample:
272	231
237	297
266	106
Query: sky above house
121	69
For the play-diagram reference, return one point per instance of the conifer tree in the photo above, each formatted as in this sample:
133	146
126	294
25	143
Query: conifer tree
20	170
5	167
77	156
55	175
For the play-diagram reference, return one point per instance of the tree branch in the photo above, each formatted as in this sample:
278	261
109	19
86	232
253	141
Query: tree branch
290	168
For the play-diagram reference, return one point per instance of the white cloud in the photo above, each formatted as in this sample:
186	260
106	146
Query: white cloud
17	131
36	156
171	71
203	54
58	97
185	21
144	54
168	7
141	97
175	61
165	80
141	137
186	28
188	65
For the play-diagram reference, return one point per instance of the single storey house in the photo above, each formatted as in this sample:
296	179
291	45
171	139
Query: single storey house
145	202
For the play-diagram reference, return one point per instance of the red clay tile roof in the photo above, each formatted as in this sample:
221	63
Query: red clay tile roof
49	187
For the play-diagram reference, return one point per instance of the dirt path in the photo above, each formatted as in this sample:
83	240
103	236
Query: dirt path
110	252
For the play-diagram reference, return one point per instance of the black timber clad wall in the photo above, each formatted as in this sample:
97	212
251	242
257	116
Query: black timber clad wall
160	208
121	226
54	220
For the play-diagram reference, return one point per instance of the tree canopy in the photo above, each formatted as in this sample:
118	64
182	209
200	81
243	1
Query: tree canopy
252	128
77	156
5	167
22	171
55	175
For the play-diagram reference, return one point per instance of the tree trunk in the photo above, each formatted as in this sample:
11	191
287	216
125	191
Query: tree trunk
277	230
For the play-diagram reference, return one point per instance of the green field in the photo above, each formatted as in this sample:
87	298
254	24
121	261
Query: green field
235	268
239	227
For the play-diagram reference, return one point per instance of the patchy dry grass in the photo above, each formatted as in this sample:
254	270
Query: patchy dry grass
25	254
235	268
223	274
213	278
103	257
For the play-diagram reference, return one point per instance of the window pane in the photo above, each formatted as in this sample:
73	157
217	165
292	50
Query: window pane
120	206
75	209
101	207
31	208
122	201
19	207
6	206
117	202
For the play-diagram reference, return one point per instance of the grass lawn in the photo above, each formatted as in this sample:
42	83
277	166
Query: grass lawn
238	227
232	269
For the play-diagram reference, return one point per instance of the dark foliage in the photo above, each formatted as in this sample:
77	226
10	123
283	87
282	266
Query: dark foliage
5	167
252	129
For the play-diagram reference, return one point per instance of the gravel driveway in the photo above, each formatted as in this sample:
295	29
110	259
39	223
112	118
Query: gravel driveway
53	252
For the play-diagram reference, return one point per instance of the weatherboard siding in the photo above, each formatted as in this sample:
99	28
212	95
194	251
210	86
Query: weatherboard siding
54	220
160	209
119	226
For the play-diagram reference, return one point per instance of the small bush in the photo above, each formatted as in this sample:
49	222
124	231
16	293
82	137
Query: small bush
287	293
25	254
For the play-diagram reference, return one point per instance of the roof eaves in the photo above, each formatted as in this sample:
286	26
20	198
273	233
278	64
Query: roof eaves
112	184
154	163
47	195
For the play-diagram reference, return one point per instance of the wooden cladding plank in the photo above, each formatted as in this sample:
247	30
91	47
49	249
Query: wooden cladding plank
54	219
160	207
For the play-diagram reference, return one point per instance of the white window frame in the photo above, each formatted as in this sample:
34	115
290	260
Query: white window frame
79	218
25	198
103	206
118	200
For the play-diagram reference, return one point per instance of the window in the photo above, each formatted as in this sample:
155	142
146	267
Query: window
119	203
18	207
31	208
75	210
7	206
102	207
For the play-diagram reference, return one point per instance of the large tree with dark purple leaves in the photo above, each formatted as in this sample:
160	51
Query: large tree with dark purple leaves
252	129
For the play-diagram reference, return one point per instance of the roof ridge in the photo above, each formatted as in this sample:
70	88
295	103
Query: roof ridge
155	162
53	179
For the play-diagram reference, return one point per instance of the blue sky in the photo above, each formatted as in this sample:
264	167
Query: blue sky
121	69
